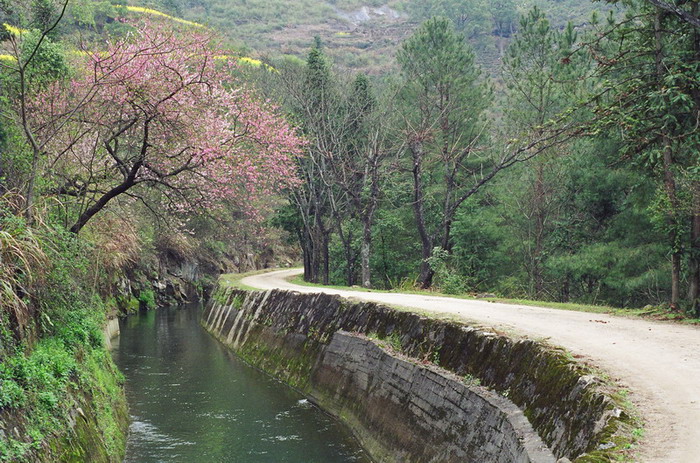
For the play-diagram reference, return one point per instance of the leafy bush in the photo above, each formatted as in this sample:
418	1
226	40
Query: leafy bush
148	299
446	278
11	394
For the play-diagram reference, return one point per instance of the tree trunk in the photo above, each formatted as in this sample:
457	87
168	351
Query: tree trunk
316	256
350	262
566	289
669	177
307	251
694	262
99	205
540	217
425	278
346	239
326	257
128	182
31	186
447	230
365	254
36	152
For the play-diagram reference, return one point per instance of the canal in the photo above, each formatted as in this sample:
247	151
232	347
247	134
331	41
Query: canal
192	400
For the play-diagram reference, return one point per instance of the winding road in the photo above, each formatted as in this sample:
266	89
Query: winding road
658	362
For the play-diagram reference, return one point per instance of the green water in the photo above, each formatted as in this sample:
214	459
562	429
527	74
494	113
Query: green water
192	400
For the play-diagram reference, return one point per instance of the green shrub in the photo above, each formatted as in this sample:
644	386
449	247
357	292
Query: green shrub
69	359
11	394
147	298
446	278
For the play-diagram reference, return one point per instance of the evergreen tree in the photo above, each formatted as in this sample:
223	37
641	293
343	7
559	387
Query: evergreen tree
443	101
535	70
652	62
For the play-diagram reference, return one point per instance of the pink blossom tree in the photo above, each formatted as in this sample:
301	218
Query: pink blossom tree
159	114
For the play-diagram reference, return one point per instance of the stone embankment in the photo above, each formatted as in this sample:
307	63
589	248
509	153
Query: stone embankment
401	381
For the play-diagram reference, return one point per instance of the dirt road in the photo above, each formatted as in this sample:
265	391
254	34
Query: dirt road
658	362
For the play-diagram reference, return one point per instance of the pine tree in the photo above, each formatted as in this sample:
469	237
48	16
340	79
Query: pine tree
652	63
444	99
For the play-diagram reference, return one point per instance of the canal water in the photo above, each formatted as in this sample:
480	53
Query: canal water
192	400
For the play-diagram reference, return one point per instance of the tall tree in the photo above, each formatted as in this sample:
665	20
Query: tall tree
311	95
651	63
358	165
443	98
537	69
342	171
27	48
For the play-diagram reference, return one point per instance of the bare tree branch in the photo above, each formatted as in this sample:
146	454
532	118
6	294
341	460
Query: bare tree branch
678	11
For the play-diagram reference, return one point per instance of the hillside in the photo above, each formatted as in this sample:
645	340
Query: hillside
363	34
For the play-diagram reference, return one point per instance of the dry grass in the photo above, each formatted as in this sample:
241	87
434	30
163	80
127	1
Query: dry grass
176	244
116	242
22	262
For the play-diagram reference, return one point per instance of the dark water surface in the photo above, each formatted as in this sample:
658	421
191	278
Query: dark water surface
192	400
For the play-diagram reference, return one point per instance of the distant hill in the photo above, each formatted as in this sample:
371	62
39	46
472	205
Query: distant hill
363	34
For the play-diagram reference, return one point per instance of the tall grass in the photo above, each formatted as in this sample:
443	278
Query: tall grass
22	262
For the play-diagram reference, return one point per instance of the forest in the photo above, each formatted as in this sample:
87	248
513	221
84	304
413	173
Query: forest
544	150
570	176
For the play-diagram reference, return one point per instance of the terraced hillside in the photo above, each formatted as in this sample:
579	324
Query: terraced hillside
363	34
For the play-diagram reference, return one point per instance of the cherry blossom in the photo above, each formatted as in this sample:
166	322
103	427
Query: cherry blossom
157	115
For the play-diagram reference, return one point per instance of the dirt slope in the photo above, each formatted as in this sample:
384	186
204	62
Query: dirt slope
658	362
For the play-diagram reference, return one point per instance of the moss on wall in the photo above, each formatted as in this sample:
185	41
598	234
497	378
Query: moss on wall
284	333
62	399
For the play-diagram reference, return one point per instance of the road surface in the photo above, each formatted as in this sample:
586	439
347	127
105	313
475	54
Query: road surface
658	362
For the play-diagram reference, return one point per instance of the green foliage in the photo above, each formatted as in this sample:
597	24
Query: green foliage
471	380
43	14
93	14
446	278
473	18
49	62
11	394
436	57
147	298
237	302
390	341
69	358
396	255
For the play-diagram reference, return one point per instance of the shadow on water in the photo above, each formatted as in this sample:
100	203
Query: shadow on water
192	400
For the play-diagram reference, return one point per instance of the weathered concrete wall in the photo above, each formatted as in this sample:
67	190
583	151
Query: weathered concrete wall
294	337
403	405
110	331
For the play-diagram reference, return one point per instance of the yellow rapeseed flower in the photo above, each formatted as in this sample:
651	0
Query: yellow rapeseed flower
87	53
8	58
16	31
256	63
139	9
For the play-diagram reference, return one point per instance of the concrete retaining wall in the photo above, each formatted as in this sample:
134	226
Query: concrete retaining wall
377	369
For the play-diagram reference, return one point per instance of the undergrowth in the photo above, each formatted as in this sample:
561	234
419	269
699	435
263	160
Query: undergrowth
46	377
